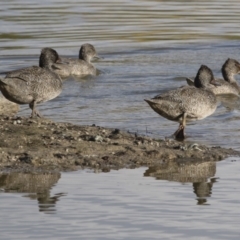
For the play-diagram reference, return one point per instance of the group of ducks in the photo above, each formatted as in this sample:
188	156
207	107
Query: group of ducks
197	101
36	84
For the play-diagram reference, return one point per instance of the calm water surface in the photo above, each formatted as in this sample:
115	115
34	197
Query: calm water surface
194	202
148	47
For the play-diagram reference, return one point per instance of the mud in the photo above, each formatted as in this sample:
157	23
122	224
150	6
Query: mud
41	145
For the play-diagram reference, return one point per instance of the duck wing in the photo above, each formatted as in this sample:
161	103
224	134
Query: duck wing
28	75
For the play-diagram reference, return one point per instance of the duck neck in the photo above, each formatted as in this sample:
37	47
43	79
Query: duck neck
84	57
229	77
198	83
48	66
45	64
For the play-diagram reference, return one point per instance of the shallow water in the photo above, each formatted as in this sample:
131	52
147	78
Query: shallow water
194	202
148	47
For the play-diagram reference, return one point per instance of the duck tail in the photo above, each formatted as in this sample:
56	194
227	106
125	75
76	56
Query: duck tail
151	102
148	101
2	83
190	82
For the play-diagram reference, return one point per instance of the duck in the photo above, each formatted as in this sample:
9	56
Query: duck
228	85
187	103
78	67
35	84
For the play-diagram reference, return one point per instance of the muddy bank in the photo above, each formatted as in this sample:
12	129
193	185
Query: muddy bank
42	145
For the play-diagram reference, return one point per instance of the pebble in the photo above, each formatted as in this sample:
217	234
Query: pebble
17	122
138	143
107	140
98	138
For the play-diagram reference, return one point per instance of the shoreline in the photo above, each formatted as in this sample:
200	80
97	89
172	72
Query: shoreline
41	145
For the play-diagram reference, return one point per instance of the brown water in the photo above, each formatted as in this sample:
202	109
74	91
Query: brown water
148	47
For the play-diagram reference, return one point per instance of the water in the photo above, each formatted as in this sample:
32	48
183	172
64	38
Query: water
148	47
196	203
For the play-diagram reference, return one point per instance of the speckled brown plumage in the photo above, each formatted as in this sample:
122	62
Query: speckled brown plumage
187	103
228	85
78	67
34	84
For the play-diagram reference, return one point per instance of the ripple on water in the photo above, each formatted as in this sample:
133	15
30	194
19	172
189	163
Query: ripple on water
174	201
149	47
37	24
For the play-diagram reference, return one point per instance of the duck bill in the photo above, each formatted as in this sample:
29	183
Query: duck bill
96	57
215	83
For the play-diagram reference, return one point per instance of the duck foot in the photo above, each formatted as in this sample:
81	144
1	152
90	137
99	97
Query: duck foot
36	114
179	134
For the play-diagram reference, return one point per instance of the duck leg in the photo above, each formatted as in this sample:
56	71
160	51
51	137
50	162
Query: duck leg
35	113
179	134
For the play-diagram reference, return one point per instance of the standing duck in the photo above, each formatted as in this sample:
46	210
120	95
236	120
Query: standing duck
33	85
187	103
228	85
78	67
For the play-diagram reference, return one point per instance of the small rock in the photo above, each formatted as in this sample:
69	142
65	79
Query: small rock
107	140
19	121
137	142
26	158
105	158
116	131
98	138
31	121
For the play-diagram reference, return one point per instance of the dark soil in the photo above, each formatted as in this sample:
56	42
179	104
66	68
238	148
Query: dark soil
28	145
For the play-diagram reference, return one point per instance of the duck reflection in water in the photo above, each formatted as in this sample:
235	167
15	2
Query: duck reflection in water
203	190
186	171
38	187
